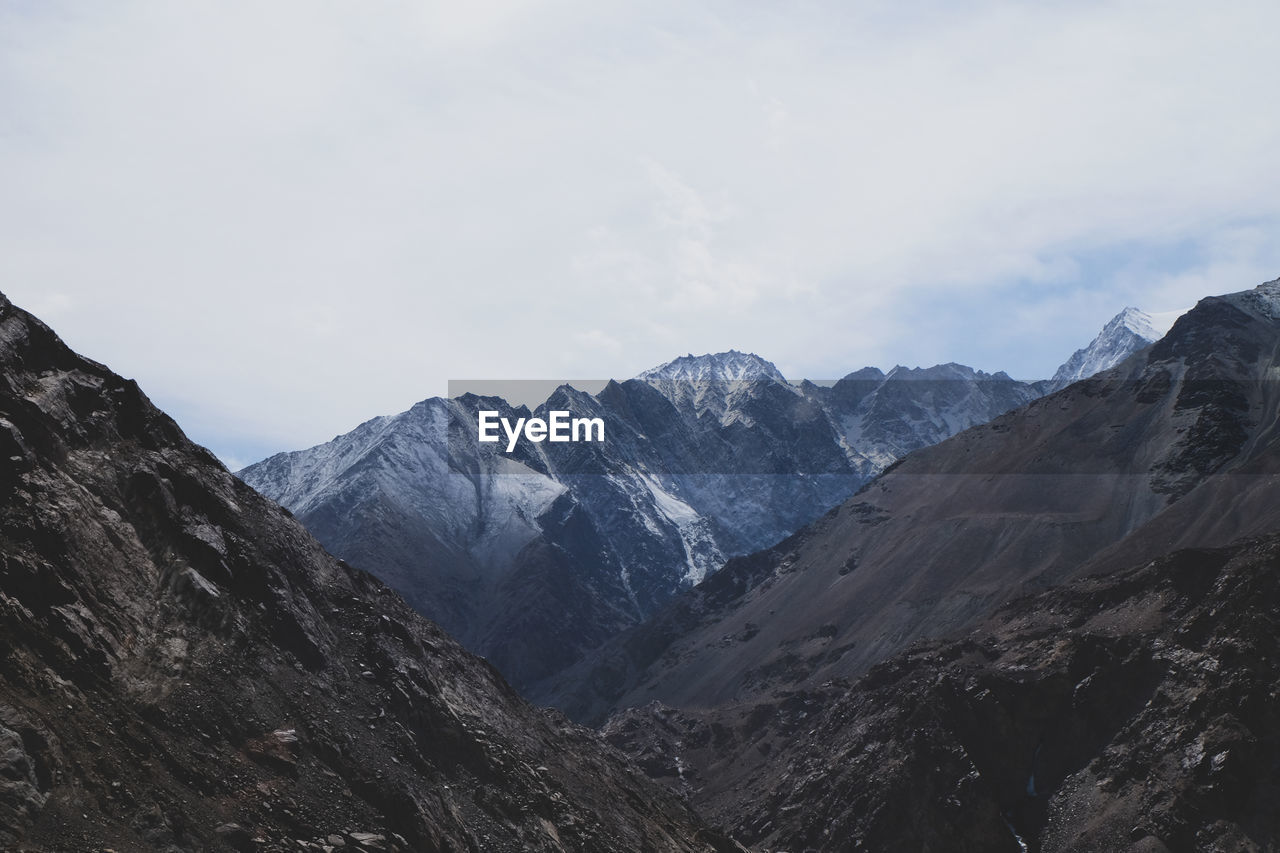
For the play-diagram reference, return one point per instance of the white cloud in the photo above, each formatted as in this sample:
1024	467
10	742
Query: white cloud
284	218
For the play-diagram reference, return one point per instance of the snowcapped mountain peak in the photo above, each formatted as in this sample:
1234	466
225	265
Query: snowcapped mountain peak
1139	322
709	384
1122	336
731	366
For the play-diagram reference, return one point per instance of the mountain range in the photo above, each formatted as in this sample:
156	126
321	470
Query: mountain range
1054	631
1107	471
536	557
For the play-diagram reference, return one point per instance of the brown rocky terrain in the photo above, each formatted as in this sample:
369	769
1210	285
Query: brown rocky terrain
183	667
1136	711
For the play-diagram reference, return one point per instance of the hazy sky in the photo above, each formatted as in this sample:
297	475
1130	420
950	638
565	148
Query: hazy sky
283	218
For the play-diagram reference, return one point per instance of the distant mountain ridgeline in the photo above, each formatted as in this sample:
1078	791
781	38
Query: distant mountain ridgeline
532	557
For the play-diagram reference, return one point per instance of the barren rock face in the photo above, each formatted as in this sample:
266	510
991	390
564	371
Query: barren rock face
21	786
1131	712
183	667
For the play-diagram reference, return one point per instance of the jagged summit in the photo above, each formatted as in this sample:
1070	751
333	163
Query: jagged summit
866	374
949	371
1139	322
731	366
716	384
1122	336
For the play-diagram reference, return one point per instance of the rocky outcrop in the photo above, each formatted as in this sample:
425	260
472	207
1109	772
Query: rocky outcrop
183	667
1132	712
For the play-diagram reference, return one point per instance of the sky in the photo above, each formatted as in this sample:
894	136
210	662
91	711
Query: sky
285	218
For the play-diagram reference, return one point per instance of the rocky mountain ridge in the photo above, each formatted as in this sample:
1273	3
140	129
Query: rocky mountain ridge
1064	637
1172	448
183	667
535	557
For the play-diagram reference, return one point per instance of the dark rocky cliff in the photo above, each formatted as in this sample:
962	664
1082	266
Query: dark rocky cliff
183	667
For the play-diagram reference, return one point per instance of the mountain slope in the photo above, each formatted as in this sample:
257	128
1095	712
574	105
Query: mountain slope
1174	447
182	666
1130	712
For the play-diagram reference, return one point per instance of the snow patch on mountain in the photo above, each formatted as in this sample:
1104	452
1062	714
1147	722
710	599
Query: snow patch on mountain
731	366
714	383
1125	334
702	554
